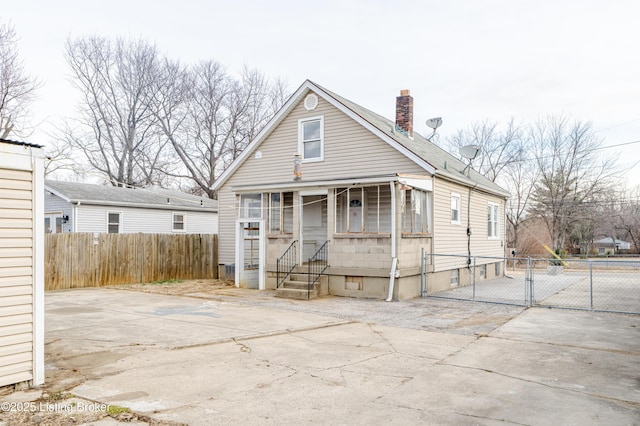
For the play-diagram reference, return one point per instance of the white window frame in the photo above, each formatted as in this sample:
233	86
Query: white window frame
173	222
493	221
456	197
248	207
283	211
301	140
409	207
119	213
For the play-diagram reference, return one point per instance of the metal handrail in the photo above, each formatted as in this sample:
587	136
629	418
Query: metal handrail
317	265
286	263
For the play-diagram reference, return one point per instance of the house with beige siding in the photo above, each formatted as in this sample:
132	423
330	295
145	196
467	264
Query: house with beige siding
21	263
85	207
331	198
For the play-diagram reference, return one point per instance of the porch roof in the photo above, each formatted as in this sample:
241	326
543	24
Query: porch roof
290	186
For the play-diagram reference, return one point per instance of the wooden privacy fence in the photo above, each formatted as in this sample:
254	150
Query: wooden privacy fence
75	260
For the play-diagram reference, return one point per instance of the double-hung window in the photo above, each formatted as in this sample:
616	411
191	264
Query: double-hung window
415	212
178	222
114	222
311	138
493	230
281	212
455	208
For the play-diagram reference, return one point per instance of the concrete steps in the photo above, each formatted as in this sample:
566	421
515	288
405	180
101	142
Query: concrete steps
296	287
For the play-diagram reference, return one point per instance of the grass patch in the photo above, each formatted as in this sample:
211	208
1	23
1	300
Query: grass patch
114	410
171	281
59	396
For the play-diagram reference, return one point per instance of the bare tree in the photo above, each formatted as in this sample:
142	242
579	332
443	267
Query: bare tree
520	178
630	218
58	158
499	148
574	174
115	129
17	88
210	117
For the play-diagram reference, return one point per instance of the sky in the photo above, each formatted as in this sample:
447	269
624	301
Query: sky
463	60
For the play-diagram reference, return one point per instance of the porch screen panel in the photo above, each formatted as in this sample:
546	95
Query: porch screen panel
287	212
376	209
274	212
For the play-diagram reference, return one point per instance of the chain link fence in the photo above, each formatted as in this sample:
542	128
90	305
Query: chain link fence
607	285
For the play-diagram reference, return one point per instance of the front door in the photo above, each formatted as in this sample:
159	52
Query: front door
314	224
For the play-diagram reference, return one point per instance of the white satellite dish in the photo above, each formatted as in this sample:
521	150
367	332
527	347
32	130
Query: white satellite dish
434	123
470	152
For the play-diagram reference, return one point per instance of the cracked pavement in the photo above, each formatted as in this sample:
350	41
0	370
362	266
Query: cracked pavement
208	360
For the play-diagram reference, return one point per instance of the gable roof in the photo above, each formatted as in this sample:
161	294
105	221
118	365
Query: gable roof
426	154
155	198
609	240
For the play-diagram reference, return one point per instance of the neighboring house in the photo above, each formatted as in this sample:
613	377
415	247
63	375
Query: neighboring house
327	178
82	207
607	246
21	263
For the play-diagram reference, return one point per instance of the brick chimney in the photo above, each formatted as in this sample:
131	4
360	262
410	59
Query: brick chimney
404	112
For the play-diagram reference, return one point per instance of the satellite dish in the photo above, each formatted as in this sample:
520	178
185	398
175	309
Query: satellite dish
434	123
470	152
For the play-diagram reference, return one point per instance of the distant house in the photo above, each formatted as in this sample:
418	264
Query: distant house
82	207
330	184
608	246
21	263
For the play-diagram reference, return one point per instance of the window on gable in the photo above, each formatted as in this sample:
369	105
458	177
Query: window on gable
493	230
363	210
455	208
415	212
113	222
311	138
281	212
178	222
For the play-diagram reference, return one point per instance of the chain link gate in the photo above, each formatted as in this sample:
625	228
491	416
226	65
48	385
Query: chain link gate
585	284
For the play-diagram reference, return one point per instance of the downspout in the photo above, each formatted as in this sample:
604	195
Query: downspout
394	257
74	225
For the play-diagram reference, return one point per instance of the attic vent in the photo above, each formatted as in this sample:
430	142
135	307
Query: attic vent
311	102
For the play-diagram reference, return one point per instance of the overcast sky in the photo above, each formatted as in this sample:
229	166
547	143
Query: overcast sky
465	61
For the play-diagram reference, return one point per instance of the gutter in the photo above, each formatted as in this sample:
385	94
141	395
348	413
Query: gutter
469	182
146	206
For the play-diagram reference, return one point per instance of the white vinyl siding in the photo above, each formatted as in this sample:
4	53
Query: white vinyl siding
20	285
452	239
92	218
55	204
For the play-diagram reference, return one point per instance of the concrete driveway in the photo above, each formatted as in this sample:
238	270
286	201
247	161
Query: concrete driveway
223	360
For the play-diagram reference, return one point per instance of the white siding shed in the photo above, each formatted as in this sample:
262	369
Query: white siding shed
21	263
